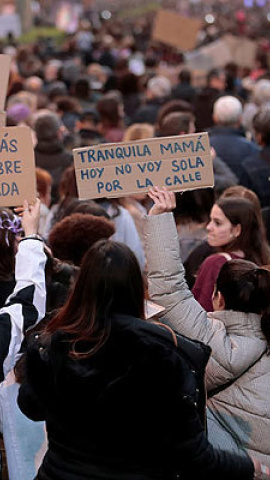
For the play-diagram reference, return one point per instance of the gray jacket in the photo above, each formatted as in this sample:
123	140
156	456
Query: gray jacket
242	411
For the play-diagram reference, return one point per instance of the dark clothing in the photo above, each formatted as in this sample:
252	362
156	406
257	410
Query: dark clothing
133	410
203	104
194	261
86	137
52	156
256	175
184	91
148	113
131	104
232	147
6	289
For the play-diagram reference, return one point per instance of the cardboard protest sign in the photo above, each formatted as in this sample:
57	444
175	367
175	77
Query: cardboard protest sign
176	30
113	170
3	119
17	166
243	50
4	76
214	55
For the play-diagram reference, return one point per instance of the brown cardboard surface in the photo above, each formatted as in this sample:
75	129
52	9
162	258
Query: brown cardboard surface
214	55
17	166
3	116
182	162
176	30
4	76
243	50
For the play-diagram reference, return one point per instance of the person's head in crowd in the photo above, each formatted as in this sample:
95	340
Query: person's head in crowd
170	107
227	112
19	112
82	88
138	131
129	84
194	206
261	126
177	123
261	92
56	89
10	231
244	287
97	74
87	120
70	238
67	104
235	227
158	88
86	207
44	185
51	70
108	109
242	192
68	109
48	127
110	282
111	114
68	184
216	79
26	98
33	84
184	76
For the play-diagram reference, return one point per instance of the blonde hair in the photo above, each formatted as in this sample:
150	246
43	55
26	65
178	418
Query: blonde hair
138	131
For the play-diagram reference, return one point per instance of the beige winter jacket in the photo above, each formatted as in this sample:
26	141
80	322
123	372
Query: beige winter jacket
236	339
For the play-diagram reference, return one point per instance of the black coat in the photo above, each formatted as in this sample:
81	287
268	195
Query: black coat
232	147
132	411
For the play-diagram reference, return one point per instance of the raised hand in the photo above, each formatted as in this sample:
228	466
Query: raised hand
164	200
30	216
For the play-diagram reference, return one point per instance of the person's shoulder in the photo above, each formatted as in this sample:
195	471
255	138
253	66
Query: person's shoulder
151	338
215	258
212	264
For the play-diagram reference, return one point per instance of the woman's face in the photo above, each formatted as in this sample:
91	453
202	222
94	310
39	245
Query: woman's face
220	230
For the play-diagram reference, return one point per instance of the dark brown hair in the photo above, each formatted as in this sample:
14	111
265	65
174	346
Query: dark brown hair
252	239
110	282
70	238
246	288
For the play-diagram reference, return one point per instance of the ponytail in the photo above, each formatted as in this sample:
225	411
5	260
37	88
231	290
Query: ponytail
246	288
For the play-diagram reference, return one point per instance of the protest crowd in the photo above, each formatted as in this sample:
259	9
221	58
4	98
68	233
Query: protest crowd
135	329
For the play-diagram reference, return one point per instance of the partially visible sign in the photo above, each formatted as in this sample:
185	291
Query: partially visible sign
176	30
5	61
243	50
182	162
10	24
3	116
17	166
214	55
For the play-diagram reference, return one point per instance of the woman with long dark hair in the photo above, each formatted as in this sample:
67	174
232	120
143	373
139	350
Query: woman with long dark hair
237	330
122	399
